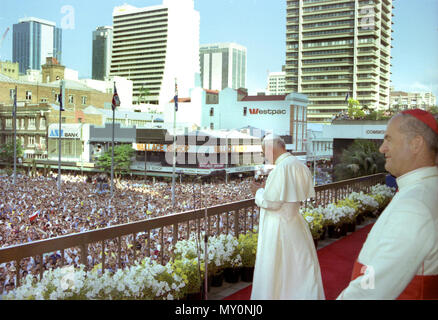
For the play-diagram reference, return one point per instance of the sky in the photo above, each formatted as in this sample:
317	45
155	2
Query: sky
259	25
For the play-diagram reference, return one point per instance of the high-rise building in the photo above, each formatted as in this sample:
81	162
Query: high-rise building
102	46
339	48
412	100
223	65
155	47
33	41
276	83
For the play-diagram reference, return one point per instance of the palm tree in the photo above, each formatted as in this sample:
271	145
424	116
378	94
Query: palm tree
144	93
360	159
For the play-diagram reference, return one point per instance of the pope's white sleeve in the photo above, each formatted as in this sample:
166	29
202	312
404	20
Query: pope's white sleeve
400	252
265	204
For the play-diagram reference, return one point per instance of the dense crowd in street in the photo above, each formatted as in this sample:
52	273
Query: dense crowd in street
34	209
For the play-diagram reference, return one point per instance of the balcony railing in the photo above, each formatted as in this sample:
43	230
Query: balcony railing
232	218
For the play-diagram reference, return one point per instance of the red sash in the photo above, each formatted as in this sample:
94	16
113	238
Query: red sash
420	288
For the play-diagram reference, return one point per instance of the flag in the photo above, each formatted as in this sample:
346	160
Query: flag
33	216
116	100
61	107
346	98
15	102
176	97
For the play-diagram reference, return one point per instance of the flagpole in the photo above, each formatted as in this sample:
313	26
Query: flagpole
112	150
15	134
174	147
61	106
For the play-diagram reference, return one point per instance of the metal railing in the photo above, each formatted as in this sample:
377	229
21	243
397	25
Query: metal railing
153	237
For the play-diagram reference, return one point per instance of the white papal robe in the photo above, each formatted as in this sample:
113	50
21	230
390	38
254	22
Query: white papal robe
403	243
287	266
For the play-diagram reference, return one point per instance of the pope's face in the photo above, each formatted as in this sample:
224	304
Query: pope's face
396	149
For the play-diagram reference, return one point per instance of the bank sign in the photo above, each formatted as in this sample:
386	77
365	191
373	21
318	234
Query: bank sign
256	111
67	131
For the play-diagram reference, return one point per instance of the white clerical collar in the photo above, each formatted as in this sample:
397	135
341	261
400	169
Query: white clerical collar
280	158
416	175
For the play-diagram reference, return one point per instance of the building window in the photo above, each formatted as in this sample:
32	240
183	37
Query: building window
71	99
211	112
84	100
245	110
57	97
28	95
44	100
8	123
31	141
63	120
212	126
42	123
31	124
12	93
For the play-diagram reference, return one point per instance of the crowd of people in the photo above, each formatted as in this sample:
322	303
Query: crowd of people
34	210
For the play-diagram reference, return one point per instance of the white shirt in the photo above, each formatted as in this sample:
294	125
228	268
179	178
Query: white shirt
403	240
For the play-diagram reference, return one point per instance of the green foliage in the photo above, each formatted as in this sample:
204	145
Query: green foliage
354	109
144	93
7	152
122	159
377	115
360	159
433	110
248	248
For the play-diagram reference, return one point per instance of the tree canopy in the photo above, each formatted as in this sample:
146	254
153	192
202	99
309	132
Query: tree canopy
122	159
360	159
7	151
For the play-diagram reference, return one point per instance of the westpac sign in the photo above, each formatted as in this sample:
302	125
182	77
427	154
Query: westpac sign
256	111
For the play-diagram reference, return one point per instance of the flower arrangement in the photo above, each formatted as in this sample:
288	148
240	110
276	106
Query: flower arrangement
188	270
351	215
248	248
366	203
382	194
232	258
145	281
338	215
315	219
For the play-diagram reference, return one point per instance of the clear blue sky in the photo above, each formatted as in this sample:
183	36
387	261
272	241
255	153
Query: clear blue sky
259	25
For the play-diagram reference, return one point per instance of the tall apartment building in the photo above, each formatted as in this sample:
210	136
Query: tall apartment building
154	46
335	48
33	41
223	65
102	47
276	83
412	100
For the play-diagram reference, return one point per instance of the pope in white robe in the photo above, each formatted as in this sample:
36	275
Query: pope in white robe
286	266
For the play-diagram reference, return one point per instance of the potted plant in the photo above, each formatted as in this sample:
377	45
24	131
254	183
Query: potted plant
188	270
248	252
232	258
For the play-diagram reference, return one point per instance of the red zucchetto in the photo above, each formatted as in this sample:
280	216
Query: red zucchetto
425	117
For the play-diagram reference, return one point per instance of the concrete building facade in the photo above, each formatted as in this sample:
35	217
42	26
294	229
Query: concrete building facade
9	69
339	48
412	100
223	65
229	109
276	83
154	46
